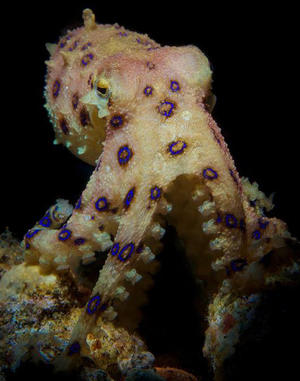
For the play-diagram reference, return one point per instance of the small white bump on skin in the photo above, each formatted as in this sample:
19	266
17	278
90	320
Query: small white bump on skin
209	227
103	239
81	150
88	258
215	244
60	260
217	265
132	276
43	261
186	115
121	293
198	194
165	207
110	314
85	248
62	267
68	144
55	142
169	208
76	127
147	255
63	210
207	208
107	169
157	231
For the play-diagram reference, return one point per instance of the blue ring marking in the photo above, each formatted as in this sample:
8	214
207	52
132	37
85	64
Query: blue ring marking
238	264
64	234
124	160
27	246
129	198
165	112
86	46
93	304
87	59
64	126
75	101
233	176
64	41
31	233
256	234
123	34
56	88
78	203
84	117
148	90
54	213
101	200
74	348
123	259
231	221
263	224
115	249
116	121
210	174
178	151
155	193
75	44
174	86
46	221
79	241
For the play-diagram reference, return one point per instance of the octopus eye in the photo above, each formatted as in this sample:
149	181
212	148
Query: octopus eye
102	88
102	91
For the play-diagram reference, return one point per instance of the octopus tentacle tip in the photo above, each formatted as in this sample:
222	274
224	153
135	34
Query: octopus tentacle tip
164	189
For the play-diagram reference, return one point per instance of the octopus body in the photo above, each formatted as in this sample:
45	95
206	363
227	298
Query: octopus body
140	113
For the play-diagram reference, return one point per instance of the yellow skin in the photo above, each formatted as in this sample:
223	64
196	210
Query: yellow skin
109	88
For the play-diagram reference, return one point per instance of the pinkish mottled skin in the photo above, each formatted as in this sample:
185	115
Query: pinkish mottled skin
109	88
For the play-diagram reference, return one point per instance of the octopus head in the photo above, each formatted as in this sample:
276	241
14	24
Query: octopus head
88	98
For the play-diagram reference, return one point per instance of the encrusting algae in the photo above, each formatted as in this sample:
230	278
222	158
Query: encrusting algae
141	114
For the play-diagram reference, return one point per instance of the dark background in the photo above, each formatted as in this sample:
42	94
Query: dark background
253	50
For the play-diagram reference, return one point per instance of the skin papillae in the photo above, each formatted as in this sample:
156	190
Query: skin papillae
141	113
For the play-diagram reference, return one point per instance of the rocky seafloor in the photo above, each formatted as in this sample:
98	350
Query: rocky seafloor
38	312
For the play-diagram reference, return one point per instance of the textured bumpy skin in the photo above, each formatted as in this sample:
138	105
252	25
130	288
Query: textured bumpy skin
141	113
